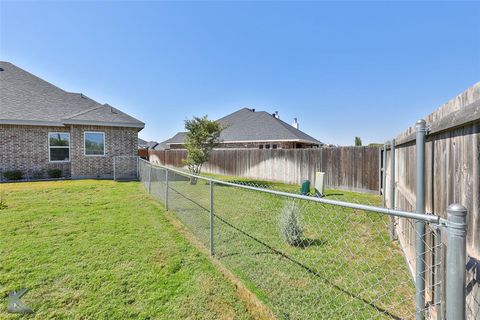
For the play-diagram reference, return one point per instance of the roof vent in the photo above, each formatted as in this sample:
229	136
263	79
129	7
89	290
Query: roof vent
253	110
295	123
112	109
82	96
275	115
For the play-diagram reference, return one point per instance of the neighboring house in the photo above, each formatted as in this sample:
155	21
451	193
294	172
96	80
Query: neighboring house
44	127
142	144
247	128
175	142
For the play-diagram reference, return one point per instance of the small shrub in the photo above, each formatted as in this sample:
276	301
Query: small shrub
38	175
289	223
13	175
54	173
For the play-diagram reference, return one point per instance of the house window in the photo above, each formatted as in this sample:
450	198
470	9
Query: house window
94	143
59	146
267	146
274	146
260	146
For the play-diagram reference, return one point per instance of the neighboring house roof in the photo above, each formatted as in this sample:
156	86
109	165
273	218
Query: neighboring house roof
29	100
152	144
246	125
142	143
178	138
147	144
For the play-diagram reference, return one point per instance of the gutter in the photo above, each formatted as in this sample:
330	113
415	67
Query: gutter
140	125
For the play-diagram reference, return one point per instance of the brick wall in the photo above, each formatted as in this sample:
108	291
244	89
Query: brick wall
25	148
118	142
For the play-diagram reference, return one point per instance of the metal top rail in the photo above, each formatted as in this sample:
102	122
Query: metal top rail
399	213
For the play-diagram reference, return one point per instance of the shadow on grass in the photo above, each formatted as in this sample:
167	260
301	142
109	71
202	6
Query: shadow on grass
306	243
292	260
248	182
126	180
334	194
259	253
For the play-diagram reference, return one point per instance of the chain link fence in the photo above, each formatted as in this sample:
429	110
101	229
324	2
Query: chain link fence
319	258
125	168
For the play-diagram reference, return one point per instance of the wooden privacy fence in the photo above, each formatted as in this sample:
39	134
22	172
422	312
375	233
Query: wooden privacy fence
347	168
452	175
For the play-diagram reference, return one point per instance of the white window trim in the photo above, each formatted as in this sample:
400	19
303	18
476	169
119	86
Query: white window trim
58	147
85	147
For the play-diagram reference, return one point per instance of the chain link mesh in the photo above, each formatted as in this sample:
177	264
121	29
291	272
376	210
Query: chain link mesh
125	168
306	259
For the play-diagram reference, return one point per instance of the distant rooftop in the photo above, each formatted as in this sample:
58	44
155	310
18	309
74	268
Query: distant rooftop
250	125
178	138
247	125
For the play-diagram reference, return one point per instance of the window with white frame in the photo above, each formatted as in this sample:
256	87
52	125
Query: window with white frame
59	146
94	143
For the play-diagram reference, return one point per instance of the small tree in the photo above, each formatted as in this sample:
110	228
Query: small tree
358	142
202	136
377	145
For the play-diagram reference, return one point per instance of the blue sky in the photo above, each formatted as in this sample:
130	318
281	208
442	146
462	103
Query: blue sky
343	69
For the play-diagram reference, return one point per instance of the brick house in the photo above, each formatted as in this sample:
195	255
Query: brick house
44	127
247	128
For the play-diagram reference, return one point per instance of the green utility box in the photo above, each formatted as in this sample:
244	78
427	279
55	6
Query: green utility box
305	189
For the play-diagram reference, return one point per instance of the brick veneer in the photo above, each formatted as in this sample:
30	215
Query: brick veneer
25	148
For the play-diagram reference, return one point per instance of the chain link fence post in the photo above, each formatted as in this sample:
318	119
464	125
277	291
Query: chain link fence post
166	189
211	217
149	178
392	188
138	168
380	171
456	260
420	127
384	171
114	165
437	288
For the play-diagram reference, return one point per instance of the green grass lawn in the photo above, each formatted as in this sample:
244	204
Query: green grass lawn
104	250
345	267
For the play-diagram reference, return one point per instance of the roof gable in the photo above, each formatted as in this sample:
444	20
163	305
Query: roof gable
27	99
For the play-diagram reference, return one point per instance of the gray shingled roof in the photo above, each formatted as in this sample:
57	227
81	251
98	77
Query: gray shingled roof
27	99
142	143
246	125
177	138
